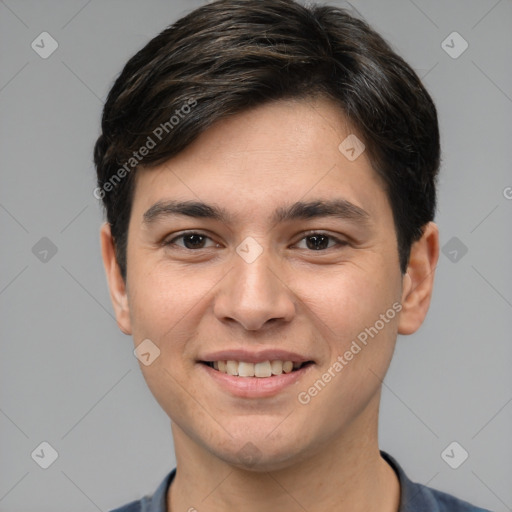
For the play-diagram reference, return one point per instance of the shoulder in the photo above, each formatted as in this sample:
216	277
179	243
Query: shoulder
444	502
134	506
157	502
416	497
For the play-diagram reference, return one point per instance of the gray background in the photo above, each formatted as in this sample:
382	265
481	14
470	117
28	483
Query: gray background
68	375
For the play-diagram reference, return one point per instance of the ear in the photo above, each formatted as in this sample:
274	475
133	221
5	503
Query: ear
115	281
418	282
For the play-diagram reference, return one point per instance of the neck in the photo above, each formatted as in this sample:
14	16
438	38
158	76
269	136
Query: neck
347	473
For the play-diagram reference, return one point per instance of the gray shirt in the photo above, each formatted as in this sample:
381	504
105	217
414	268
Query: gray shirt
413	497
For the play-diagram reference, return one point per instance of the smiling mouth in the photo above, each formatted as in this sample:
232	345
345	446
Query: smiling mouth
257	370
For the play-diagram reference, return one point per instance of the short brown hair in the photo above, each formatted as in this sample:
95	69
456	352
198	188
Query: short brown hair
230	55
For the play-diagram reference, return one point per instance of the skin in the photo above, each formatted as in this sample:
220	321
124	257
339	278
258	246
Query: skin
323	455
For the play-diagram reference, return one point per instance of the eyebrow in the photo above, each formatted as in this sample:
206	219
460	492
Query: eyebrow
336	208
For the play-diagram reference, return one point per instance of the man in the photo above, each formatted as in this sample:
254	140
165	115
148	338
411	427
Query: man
269	178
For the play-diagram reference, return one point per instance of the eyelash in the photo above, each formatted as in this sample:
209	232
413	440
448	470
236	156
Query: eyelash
305	235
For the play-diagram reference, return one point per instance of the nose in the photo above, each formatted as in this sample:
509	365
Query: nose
254	294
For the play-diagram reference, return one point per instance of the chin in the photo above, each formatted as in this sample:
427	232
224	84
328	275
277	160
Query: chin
261	454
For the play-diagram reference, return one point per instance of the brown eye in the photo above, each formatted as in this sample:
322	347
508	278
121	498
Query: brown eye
317	242
191	241
321	241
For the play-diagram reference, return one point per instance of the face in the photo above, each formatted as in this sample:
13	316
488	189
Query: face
264	276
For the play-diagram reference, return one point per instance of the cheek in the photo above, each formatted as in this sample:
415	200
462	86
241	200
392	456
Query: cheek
359	325
368	331
160	301
351	298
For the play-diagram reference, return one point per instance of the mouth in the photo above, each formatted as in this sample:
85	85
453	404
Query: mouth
249	374
263	369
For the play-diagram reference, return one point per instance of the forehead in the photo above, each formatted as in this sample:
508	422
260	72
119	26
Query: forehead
266	157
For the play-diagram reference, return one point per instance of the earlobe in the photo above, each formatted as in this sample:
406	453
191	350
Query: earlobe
115	281
418	282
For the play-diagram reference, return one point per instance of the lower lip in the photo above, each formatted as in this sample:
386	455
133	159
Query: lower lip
255	387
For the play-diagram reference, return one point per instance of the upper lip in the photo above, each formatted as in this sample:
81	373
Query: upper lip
248	356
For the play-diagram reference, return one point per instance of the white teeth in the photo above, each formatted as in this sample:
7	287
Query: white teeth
231	367
263	369
287	366
277	367
245	369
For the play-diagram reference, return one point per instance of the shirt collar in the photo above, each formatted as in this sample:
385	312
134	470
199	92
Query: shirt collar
158	502
412	496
